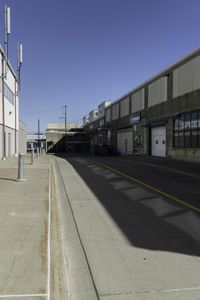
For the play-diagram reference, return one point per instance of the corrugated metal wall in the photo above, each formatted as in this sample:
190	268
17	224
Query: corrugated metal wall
125	141
137	101
115	111
124	107
101	122
187	77
157	91
108	115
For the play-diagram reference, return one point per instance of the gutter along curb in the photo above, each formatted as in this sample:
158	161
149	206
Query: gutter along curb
80	284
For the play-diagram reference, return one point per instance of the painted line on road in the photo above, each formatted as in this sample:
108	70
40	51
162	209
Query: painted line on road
23	296
150	187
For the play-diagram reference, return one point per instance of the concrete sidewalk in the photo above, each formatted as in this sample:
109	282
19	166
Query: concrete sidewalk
24	210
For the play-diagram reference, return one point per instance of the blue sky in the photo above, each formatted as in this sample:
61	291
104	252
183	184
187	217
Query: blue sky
82	52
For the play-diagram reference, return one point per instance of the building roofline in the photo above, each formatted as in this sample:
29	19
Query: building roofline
154	77
8	62
160	73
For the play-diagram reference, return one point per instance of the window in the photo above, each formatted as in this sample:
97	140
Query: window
187	130
8	94
109	137
100	140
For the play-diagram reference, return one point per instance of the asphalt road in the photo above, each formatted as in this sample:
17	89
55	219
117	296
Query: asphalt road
139	242
178	179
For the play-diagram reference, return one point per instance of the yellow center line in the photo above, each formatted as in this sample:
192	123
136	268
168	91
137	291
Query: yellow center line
152	188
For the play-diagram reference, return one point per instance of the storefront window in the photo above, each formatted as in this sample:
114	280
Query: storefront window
187	130
109	137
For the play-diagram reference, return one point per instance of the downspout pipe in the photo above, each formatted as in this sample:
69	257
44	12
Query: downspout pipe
3	112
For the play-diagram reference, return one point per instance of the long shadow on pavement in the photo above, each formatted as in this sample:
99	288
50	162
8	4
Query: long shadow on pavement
146	219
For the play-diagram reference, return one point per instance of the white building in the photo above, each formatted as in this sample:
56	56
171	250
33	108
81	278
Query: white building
93	115
9	109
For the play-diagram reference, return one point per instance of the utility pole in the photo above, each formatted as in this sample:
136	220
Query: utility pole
65	118
65	132
66	128
38	132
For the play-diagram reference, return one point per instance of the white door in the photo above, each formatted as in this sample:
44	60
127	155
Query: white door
158	141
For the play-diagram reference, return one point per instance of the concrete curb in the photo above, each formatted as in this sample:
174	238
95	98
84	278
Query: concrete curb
80	284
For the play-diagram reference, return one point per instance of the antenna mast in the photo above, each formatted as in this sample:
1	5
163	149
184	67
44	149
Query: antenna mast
7	31
19	62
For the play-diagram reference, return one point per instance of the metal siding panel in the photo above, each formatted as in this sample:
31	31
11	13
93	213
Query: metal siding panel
175	83
125	141
196	76
124	107
157	91
137	101
164	88
108	115
187	77
130	142
115	111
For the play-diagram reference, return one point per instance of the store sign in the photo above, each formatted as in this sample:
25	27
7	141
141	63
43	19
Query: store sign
180	125
135	118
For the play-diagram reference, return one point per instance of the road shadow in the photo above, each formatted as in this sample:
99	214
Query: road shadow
147	219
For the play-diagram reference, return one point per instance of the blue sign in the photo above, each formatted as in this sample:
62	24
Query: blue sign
135	118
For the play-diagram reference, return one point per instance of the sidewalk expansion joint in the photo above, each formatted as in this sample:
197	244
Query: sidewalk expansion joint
23	296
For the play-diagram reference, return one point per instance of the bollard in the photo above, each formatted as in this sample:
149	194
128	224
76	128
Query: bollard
21	167
32	156
38	152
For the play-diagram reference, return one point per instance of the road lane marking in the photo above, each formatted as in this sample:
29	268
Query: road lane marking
151	187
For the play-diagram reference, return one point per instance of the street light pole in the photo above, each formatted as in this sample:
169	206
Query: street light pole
65	118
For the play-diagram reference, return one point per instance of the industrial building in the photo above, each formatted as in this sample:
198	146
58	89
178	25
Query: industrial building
9	109
71	138
160	117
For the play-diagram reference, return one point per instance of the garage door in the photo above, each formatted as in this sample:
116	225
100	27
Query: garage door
158	141
125	142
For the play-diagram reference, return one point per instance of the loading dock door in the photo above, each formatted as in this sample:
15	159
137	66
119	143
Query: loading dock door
158	141
125	142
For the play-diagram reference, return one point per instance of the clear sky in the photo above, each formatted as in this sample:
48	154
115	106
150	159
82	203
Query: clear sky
81	52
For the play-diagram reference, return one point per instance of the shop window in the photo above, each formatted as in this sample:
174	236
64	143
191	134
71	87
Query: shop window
176	132
187	130
194	131
100	140
109	137
181	131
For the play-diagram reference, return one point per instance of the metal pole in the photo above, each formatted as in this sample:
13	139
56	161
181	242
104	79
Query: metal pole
21	167
66	127
39	133
32	156
65	118
38	153
5	31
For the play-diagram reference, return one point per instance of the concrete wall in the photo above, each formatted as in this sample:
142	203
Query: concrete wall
9	112
52	139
